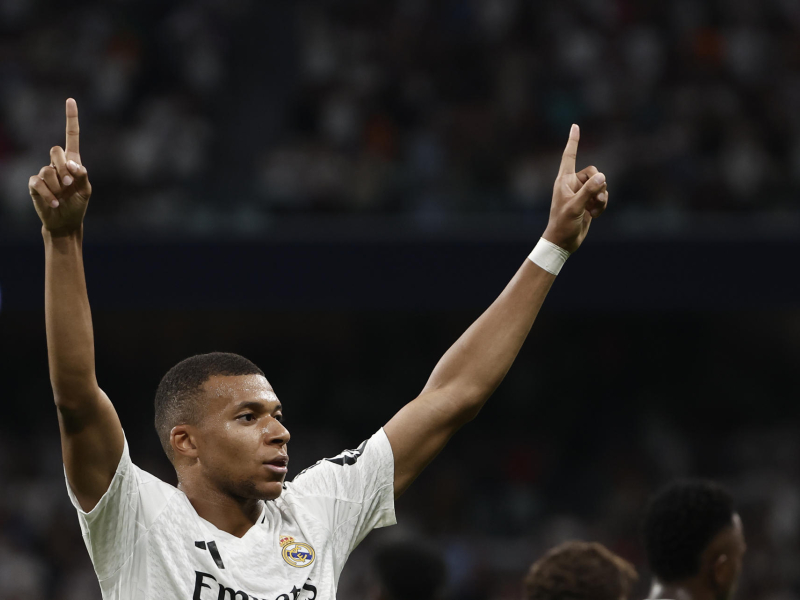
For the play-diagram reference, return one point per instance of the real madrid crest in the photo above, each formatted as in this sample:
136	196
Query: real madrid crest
297	554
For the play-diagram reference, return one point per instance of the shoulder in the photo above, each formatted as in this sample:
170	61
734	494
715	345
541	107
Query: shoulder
347	473
133	493
153	493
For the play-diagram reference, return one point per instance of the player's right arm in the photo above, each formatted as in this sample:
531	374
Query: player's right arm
92	440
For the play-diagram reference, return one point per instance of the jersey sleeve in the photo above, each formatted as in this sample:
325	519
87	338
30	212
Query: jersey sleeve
352	493
127	510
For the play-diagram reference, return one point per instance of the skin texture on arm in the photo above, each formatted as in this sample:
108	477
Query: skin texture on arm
475	365
91	435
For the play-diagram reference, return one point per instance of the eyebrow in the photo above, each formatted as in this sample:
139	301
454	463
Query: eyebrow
257	405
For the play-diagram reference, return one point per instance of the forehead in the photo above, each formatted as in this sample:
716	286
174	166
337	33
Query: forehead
225	390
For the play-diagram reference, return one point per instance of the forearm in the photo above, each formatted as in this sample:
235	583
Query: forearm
70	337
476	364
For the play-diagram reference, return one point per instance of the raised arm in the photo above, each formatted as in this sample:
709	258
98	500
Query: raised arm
475	365
91	435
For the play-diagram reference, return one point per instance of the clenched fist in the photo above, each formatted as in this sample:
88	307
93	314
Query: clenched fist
61	190
577	199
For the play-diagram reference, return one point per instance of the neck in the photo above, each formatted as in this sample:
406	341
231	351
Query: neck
681	590
227	513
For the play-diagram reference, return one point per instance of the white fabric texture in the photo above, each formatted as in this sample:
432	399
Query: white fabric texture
549	256
147	542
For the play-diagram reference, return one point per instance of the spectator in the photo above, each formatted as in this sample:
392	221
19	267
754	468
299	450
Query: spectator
580	571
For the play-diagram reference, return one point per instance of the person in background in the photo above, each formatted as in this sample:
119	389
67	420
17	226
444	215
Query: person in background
580	571
694	542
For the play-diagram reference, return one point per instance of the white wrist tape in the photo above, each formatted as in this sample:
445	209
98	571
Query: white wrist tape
549	256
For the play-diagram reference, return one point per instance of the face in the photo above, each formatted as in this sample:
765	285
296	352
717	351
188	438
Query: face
728	547
241	444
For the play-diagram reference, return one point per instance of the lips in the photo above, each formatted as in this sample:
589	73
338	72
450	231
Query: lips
279	461
279	464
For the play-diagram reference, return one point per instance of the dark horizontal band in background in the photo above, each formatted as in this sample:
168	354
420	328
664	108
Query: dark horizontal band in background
380	275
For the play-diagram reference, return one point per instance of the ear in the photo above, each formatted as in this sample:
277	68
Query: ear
375	592
182	440
722	572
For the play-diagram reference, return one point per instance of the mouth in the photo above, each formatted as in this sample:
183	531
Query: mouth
278	464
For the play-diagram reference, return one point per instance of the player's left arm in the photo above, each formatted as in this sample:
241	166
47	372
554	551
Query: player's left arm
474	366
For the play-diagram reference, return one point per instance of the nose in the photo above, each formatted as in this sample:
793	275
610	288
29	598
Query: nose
276	434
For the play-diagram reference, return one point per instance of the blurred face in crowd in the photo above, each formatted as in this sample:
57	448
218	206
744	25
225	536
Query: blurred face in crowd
725	554
240	442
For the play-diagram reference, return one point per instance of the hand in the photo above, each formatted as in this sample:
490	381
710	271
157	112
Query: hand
577	199
61	190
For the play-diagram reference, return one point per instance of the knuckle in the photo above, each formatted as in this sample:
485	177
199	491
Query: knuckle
55	150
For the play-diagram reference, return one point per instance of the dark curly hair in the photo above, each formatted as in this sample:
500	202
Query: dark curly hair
178	391
679	523
580	571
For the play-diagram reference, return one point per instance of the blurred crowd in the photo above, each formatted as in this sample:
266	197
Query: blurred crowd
216	114
552	457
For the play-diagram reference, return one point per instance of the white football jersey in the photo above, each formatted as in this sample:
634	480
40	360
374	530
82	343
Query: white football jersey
147	542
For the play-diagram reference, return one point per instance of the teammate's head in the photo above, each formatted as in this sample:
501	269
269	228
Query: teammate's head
693	534
580	571
218	415
409	570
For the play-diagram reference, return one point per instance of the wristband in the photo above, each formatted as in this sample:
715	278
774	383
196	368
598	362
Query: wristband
549	256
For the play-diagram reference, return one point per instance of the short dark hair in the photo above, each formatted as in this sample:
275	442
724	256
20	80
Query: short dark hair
679	523
410	570
580	571
178	390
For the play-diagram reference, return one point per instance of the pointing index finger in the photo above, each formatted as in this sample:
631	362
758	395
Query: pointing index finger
73	132
571	151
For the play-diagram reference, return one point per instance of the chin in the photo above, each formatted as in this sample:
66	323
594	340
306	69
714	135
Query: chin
271	490
255	489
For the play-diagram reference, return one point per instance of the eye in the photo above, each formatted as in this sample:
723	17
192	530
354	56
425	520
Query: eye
279	418
247	417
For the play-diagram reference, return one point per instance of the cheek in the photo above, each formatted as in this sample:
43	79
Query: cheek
224	441
239	441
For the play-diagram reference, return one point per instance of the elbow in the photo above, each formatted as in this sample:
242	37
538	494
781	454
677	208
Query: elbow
77	409
460	402
74	393
470	402
469	413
